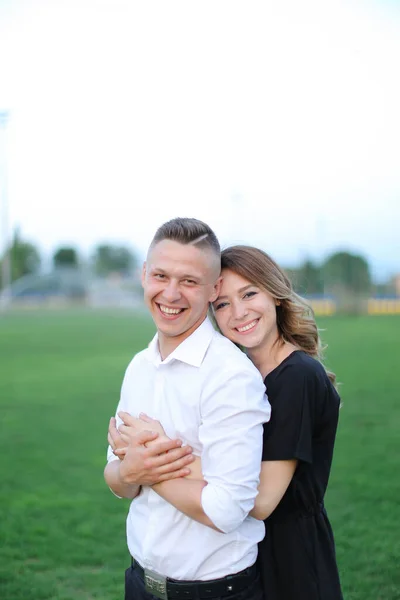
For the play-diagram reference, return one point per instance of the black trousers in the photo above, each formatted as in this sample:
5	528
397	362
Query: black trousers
135	590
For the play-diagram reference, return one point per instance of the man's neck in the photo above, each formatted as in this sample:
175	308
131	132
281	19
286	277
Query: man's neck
167	344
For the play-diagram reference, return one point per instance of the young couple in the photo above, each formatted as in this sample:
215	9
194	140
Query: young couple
215	476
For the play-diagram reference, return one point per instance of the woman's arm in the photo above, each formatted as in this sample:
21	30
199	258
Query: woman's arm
195	470
275	477
274	480
185	495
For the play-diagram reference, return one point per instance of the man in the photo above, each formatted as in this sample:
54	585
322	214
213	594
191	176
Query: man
187	538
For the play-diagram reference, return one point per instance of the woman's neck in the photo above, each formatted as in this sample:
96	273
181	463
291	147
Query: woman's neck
268	357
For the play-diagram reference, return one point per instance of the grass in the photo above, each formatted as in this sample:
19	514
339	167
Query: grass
63	532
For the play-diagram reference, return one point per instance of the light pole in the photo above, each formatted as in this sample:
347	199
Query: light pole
6	262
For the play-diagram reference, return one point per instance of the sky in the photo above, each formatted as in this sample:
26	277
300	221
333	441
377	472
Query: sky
277	123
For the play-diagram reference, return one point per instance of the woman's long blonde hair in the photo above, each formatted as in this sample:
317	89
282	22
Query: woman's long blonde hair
295	318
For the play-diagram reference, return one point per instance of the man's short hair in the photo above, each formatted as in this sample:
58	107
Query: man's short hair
188	231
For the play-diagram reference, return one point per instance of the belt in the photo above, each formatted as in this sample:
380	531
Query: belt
168	589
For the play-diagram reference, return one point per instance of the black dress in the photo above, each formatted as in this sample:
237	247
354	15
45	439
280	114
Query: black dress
297	556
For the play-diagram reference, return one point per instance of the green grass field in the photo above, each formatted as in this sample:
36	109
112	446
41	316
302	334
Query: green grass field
62	532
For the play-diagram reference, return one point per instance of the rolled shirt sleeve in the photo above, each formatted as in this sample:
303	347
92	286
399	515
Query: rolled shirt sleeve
231	432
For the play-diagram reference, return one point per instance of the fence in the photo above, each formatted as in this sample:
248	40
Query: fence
351	305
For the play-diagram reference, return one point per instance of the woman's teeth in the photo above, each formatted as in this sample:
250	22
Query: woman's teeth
247	327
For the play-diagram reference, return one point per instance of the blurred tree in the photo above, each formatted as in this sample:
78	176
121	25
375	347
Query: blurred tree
345	271
113	259
293	274
65	257
306	279
24	257
309	279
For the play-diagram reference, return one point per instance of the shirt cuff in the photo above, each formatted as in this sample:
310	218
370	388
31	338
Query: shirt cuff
111	458
220	509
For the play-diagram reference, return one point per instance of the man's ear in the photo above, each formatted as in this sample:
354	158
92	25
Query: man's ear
143	273
216	290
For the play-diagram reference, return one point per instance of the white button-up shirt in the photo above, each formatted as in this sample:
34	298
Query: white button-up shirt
210	395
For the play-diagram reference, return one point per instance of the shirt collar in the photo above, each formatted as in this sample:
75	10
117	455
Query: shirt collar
191	351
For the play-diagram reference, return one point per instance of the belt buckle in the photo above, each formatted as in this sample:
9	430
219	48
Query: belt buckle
155	584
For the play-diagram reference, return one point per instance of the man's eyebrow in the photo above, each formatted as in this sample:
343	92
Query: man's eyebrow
184	276
240	291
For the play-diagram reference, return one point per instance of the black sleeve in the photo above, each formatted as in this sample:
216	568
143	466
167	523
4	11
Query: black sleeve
288	435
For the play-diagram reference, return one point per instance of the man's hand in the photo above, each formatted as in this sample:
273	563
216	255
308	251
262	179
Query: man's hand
165	459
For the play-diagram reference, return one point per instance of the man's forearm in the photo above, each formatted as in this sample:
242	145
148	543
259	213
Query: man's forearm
185	495
113	480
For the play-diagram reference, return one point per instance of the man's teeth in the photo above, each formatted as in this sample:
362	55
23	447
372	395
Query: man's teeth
170	311
246	327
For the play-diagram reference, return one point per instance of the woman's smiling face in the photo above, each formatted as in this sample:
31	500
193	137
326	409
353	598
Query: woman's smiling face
245	313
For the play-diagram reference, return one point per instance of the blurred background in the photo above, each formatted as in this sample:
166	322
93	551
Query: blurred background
276	123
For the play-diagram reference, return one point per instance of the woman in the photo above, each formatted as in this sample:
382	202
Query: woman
258	310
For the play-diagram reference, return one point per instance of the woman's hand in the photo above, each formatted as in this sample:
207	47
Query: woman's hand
147	455
132	426
143	423
119	438
118	442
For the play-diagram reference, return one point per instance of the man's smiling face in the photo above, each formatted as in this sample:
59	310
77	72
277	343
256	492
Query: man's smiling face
179	282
